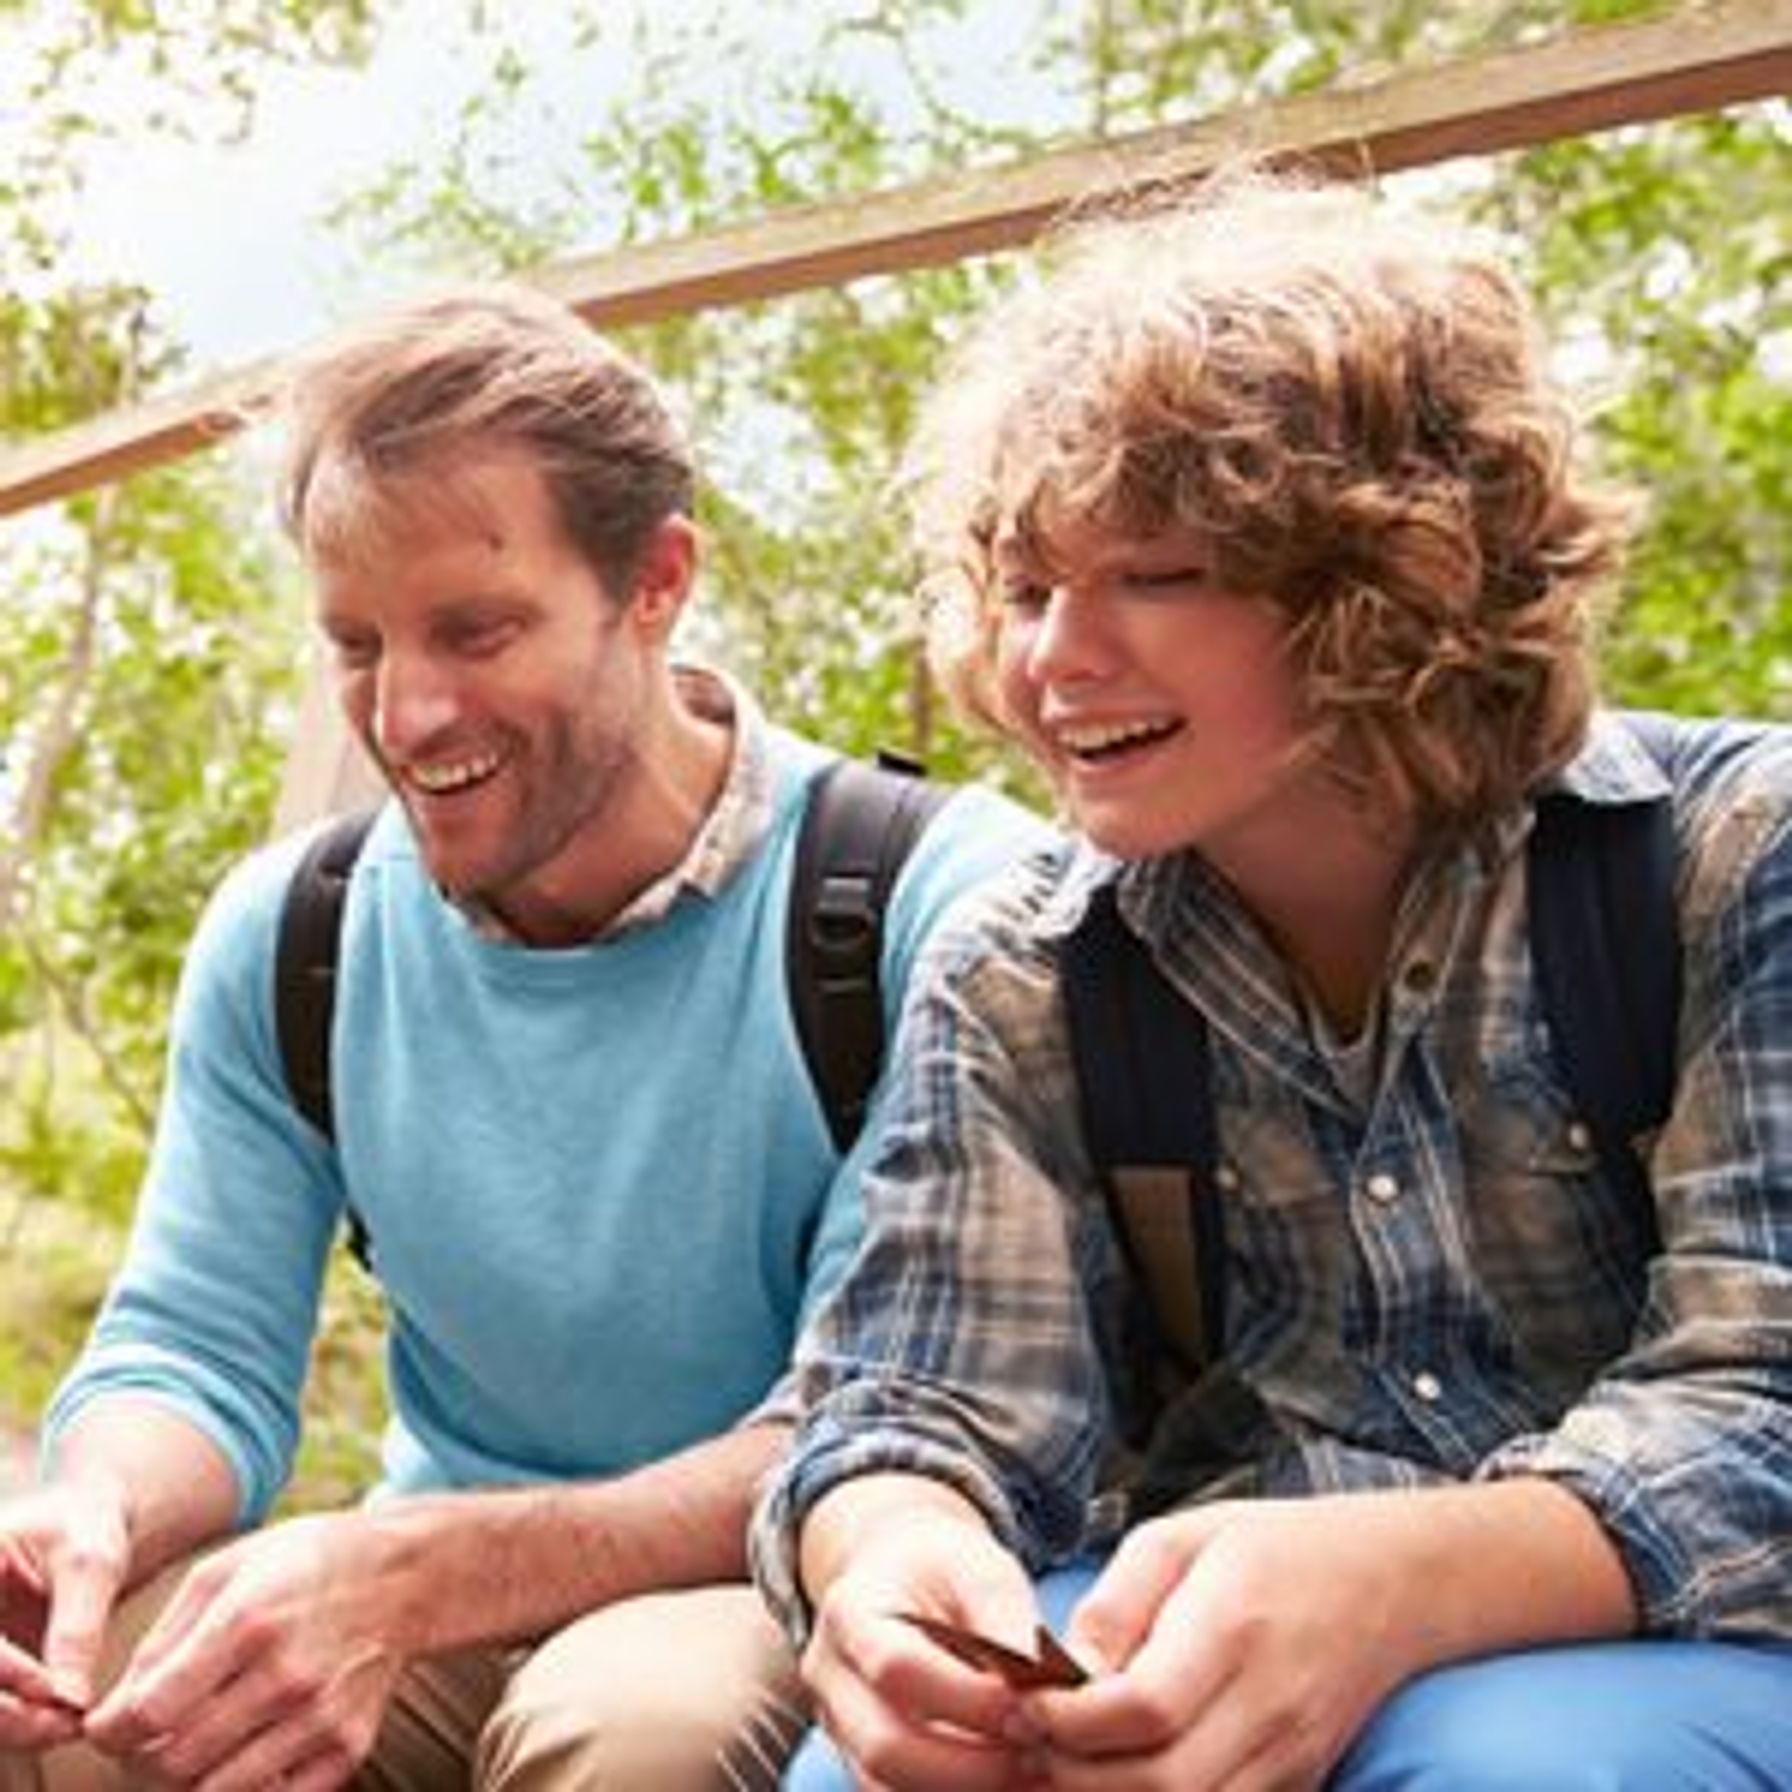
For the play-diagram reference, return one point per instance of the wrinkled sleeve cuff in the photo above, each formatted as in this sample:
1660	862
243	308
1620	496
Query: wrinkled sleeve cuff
255	1491
782	1405
1663	1572
823	1463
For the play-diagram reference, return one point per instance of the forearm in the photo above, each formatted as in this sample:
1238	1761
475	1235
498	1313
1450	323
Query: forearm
172	1486
501	1566
1486	1568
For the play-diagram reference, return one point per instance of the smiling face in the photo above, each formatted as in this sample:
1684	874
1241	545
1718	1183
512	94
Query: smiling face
507	695
1165	709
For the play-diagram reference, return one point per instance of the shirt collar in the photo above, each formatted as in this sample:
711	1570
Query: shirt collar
1612	766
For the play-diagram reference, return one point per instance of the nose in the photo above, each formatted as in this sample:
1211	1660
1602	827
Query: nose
1068	639
413	703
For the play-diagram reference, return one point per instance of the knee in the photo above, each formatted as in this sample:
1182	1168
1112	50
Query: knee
617	1702
1600	1718
1464	1753
550	1736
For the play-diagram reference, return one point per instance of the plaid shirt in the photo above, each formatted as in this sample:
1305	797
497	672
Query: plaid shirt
1428	1278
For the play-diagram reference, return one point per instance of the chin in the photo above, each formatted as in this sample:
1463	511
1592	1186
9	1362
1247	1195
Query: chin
1124	835
458	873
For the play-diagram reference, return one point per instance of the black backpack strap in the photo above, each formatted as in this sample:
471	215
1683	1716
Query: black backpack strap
858	829
305	976
1140	1052
1605	938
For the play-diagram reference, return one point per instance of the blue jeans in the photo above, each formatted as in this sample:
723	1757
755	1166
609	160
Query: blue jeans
1657	1716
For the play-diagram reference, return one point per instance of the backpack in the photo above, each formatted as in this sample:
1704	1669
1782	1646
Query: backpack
859	824
1604	933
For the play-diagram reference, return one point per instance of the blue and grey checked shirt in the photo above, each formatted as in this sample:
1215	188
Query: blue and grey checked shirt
1428	1278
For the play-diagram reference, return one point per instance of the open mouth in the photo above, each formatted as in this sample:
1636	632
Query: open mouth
1110	742
449	777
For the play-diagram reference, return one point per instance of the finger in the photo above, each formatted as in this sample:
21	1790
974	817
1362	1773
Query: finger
1221	1747
1175	1678
921	1681
278	1756
885	1748
25	1677
72	1569
30	1726
162	1701
321	1773
81	1600
216	1732
176	1667
19	1564
1113	1619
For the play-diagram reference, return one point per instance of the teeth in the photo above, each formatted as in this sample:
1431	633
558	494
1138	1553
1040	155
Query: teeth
1100	737
452	774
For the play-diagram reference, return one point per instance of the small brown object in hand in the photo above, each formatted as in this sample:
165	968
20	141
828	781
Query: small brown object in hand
1049	1666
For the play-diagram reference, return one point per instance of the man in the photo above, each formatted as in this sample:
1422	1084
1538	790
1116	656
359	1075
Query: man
1255	522
570	1111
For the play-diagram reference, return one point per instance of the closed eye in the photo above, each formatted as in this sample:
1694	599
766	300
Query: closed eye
479	638
353	652
1169	580
1022	594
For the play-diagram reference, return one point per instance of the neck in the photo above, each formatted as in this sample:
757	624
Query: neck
1328	899
673	782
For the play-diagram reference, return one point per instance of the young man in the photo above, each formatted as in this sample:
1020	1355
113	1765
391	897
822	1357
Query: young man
1256	524
570	1110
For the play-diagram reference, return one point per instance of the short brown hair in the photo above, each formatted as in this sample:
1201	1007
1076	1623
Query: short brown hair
1351	412
491	366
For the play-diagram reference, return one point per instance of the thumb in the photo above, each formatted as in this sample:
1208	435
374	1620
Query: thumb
993	1594
85	1577
1117	1614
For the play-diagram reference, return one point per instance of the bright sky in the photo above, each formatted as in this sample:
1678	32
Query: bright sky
229	238
232	239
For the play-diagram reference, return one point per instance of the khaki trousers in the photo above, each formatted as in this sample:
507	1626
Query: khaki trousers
693	1689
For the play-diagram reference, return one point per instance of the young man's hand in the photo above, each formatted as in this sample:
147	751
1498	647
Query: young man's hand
1238	1645
64	1553
910	1713
1246	1644
273	1664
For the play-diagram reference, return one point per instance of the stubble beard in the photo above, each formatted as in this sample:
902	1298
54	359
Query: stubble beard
565	790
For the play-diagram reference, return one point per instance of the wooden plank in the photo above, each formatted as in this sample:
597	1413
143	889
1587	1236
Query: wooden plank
1701	58
1697	59
326	769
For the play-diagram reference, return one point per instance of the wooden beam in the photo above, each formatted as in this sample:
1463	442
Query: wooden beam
1702	57
326	770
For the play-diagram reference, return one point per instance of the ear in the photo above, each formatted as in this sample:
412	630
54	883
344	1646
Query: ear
664	578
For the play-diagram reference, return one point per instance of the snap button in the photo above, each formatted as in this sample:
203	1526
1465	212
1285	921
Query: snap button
1427	1386
1420	977
1382	1188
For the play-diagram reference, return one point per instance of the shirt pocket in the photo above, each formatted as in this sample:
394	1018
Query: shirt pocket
1553	1245
1285	1207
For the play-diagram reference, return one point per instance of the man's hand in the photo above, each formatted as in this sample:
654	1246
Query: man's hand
274	1663
1249	1642
64	1552
909	1714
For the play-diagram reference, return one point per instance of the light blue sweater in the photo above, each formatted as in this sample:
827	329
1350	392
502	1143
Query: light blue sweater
599	1183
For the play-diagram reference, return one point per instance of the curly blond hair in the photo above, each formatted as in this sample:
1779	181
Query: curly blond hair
1350	410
